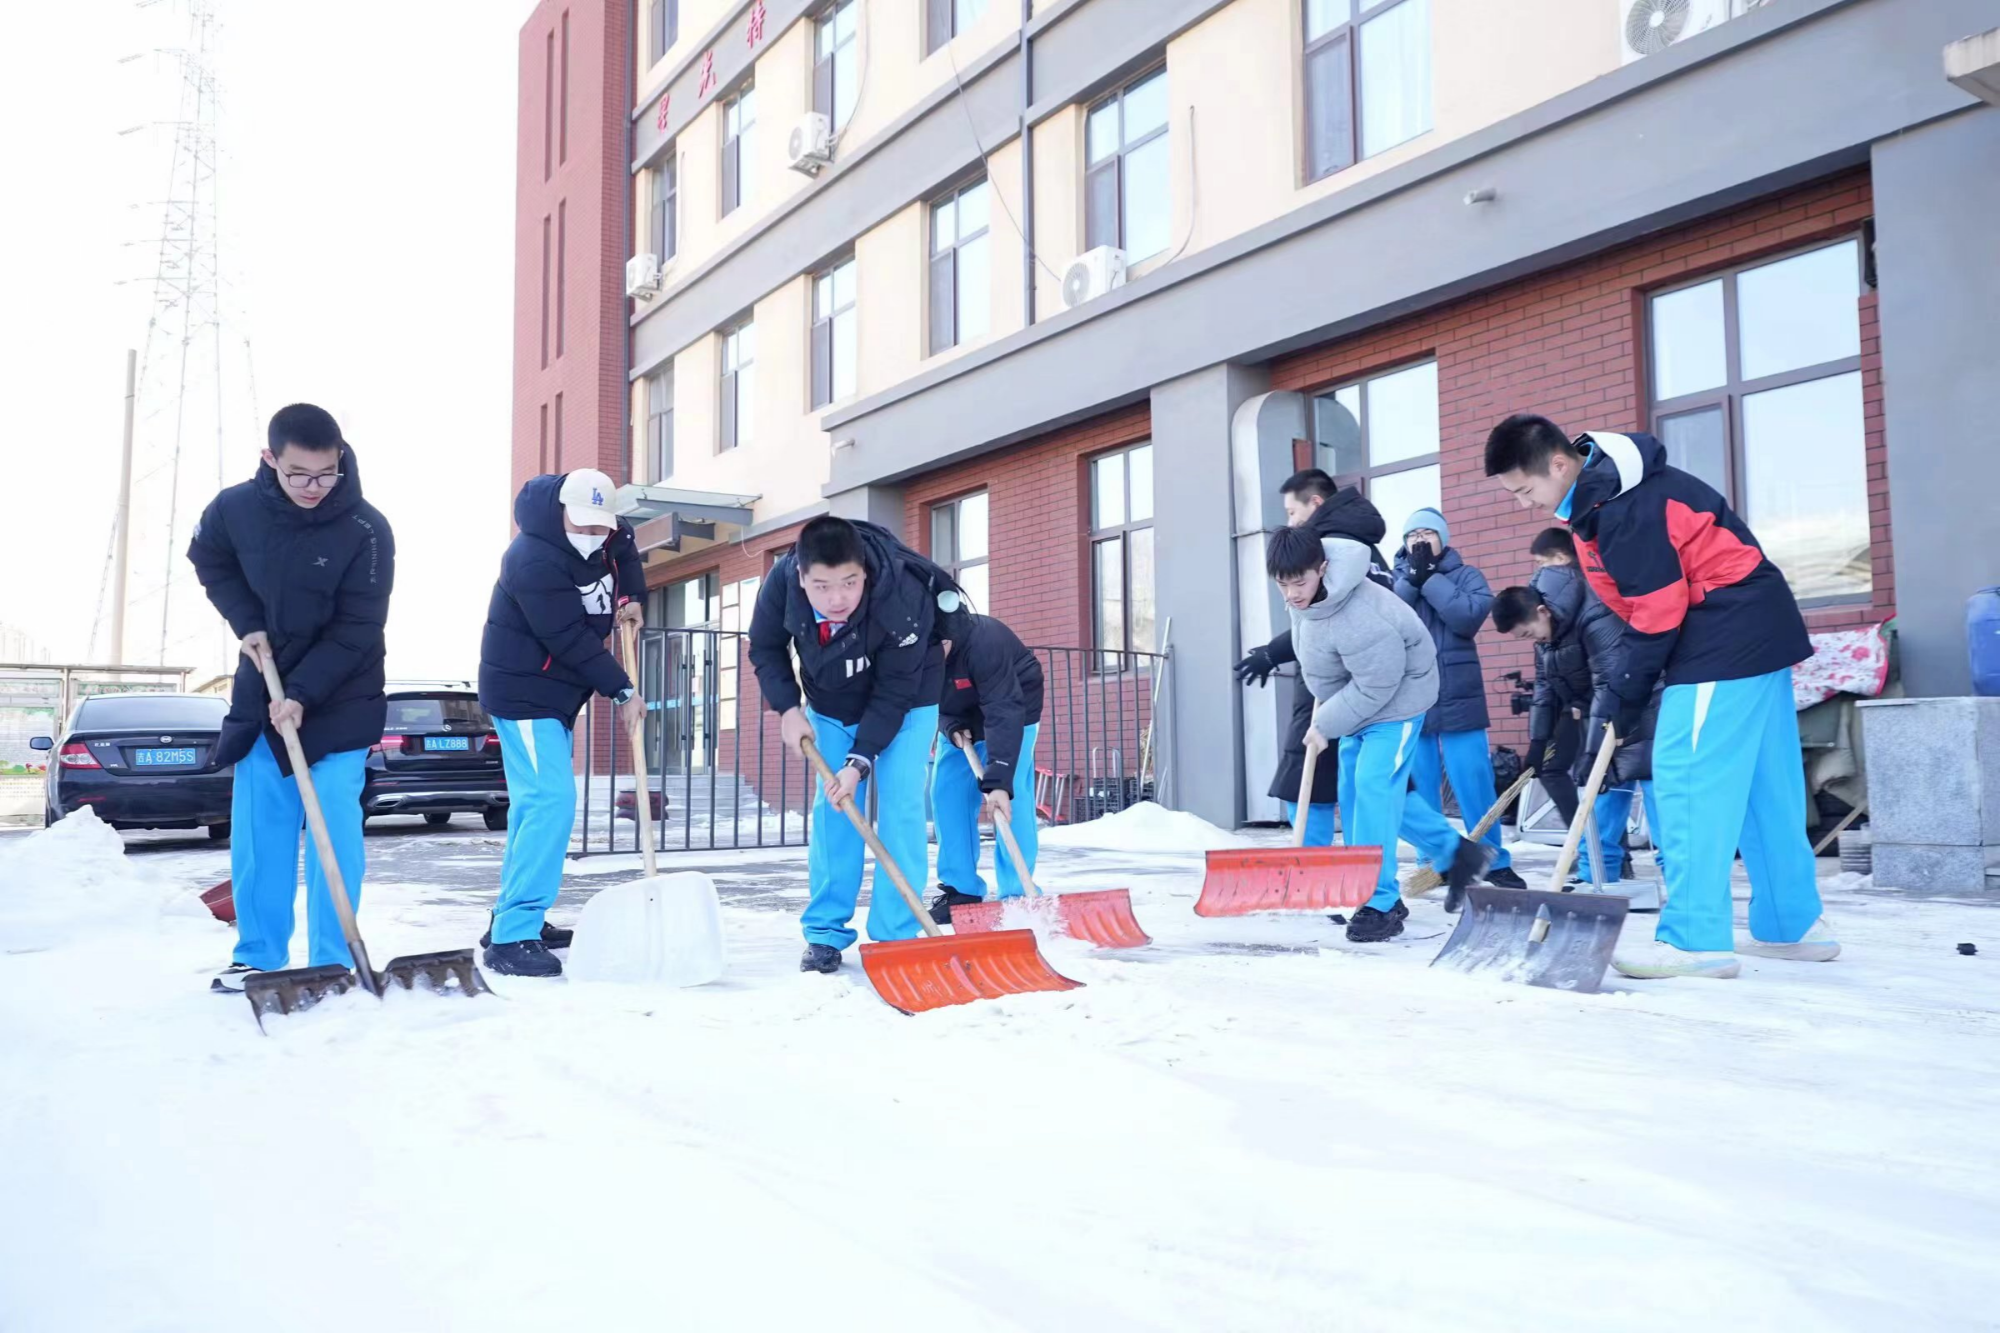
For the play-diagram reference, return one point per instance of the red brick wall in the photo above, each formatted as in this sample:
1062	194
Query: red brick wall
1568	344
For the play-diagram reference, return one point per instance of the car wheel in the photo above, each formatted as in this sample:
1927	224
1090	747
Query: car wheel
219	832
496	820
438	818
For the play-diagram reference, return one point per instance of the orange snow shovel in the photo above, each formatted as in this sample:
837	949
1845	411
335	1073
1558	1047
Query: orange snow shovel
1425	880
1102	916
1290	879
941	969
1559	940
296	988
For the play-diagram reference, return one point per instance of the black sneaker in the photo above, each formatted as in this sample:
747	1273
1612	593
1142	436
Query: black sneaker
229	981
820	958
1467	863
1370	926
948	898
1505	878
553	937
523	958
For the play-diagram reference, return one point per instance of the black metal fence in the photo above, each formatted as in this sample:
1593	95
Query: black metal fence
719	778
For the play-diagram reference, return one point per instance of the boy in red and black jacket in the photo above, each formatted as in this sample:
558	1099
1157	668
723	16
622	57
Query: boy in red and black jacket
1708	612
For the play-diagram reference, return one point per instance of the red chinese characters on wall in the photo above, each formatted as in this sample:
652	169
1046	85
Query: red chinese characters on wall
660	122
755	32
707	75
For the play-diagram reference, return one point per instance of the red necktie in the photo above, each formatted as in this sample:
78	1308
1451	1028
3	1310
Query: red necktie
827	629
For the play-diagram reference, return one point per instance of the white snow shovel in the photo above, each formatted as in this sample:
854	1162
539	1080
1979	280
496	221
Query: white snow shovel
665	929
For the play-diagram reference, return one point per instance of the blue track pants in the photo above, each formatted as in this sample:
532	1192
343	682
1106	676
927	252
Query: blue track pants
1461	757
835	850
1377	806
267	828
1319	822
541	809
955	805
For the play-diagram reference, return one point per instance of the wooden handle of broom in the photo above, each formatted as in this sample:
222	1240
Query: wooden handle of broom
336	887
867	832
1000	828
642	796
1425	880
1302	806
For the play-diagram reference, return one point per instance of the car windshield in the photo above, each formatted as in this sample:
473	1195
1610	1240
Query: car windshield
455	712
151	712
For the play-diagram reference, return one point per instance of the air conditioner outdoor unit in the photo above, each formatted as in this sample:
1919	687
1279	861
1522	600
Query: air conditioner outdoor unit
1092	274
1648	27
642	277
810	146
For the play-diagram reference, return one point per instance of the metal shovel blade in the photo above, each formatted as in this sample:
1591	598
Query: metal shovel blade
296	989
939	970
449	971
1100	916
1288	879
1496	934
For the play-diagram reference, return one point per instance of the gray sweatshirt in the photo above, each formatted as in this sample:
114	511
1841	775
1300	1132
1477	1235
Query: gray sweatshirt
1364	654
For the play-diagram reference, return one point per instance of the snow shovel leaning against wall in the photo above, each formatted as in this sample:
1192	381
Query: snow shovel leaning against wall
1102	916
1559	940
1289	879
941	969
297	988
663	928
1425	879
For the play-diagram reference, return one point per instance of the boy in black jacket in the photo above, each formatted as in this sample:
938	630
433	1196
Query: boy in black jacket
993	698
860	610
1707	612
569	574
301	566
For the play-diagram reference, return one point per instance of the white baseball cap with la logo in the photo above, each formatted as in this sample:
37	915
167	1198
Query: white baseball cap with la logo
589	498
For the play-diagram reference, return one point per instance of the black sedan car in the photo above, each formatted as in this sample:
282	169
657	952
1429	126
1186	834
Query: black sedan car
438	754
142	761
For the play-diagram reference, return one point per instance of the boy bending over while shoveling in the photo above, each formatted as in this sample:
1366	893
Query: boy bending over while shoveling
1372	668
862	613
992	698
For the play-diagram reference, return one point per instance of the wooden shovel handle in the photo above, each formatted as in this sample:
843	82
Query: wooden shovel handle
336	887
1586	799
1301	807
1000	828
642	796
867	832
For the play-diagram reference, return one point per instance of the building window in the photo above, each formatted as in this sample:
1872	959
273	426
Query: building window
946	19
664	220
562	268
738	399
836	82
546	225
660	424
1127	199
1756	389
1381	434
562	142
833	334
961	293
739	118
559	457
1367	79
959	543
663	26
1121	553
549	109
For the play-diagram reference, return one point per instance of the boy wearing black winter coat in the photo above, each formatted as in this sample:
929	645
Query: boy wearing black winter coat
301	566
993	699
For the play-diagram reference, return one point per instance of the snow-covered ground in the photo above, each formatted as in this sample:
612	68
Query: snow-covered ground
1250	1125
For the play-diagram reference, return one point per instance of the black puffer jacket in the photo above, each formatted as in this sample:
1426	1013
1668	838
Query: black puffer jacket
542	653
317	581
992	690
1606	640
1562	665
882	663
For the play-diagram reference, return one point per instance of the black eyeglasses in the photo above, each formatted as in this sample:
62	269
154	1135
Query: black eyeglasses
310	481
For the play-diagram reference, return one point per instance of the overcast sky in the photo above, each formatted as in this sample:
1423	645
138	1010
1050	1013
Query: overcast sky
367	206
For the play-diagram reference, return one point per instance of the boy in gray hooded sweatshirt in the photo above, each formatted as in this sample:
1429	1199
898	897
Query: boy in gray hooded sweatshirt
1372	668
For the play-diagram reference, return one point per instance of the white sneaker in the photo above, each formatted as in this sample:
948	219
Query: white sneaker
1650	960
1644	893
1818	946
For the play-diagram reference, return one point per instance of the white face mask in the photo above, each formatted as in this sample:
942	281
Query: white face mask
586	543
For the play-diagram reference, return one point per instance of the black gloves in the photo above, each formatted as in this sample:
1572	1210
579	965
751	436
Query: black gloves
1538	756
1256	667
1423	563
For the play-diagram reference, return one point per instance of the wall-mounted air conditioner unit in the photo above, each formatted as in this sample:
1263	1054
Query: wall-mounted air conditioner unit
1092	274
810	146
642	277
1648	27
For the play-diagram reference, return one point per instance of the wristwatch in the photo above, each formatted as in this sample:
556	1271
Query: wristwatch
623	696
861	766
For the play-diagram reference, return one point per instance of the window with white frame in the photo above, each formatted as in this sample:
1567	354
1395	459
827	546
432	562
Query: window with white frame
1756	389
736	404
1128	199
836	71
739	120
663	25
961	279
1367	79
959	542
1381	434
946	19
1121	554
660	424
662	220
833	349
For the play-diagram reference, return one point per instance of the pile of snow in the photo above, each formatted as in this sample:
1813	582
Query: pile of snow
73	881
1145	827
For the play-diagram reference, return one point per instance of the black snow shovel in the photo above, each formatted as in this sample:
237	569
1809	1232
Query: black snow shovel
1559	940
297	988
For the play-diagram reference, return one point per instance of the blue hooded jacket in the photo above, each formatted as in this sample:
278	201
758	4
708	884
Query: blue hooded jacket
543	652
1452	602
